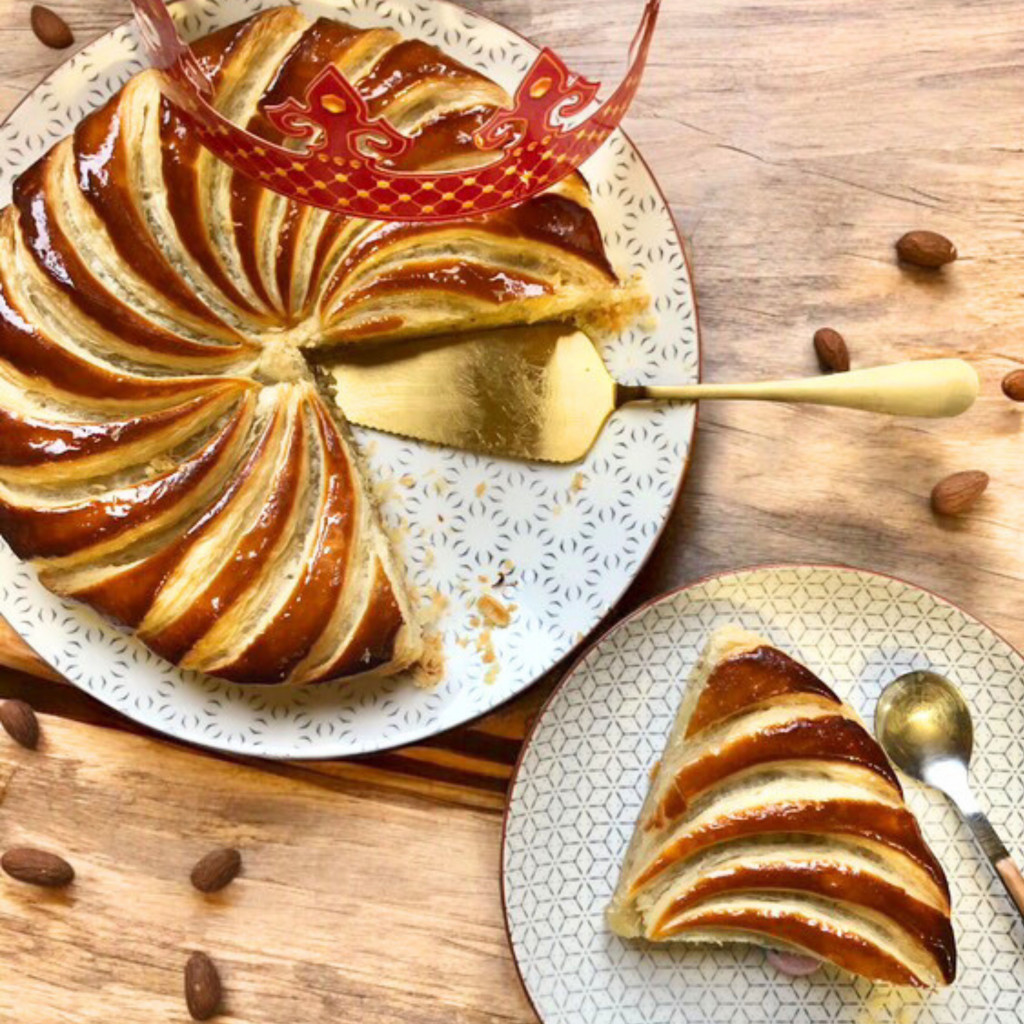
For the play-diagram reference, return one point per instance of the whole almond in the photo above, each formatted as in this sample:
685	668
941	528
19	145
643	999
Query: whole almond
925	249
216	869
202	987
37	867
958	492
1013	386
50	28
20	723
832	351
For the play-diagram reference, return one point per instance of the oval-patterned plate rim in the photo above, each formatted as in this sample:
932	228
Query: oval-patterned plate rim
370	742
592	647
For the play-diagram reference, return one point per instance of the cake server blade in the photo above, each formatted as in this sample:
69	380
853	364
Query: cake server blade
540	392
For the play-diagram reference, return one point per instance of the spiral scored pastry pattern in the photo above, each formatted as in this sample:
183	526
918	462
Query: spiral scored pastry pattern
775	818
166	453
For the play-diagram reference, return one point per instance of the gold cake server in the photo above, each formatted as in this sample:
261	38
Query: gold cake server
543	392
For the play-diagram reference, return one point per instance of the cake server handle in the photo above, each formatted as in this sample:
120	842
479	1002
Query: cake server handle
924	387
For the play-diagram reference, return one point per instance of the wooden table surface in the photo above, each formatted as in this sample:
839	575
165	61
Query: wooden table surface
795	140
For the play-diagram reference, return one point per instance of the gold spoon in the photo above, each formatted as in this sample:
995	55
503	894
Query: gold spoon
924	724
543	392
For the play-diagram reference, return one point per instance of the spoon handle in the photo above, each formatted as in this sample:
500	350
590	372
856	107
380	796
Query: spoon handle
1013	880
999	856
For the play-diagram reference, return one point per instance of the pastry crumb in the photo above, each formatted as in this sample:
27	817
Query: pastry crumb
481	489
429	670
579	481
398	534
383	489
491	674
407	480
436	605
485	647
494	611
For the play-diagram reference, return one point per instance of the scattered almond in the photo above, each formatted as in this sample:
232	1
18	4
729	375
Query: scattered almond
20	723
202	987
37	867
958	492
831	349
494	611
217	869
925	249
1013	386
50	28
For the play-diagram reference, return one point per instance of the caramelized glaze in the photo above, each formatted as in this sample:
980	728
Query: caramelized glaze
485	284
59	260
890	826
750	678
407	66
61	530
35	356
180	151
244	564
833	738
846	949
127	596
102	164
929	926
291	635
373	643
28	442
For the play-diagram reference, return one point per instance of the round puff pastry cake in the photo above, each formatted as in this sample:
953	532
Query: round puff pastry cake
774	818
166	454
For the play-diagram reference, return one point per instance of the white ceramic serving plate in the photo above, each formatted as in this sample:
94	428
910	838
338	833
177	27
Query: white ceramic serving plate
576	536
584	772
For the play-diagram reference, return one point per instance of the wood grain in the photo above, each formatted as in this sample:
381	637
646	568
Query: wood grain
470	766
354	903
796	140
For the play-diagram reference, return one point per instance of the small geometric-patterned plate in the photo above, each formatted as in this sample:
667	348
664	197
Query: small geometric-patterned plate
583	776
566	541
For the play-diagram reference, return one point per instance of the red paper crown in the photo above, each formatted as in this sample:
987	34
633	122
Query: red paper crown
341	170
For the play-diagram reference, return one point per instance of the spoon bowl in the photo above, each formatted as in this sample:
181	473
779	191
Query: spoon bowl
922	720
